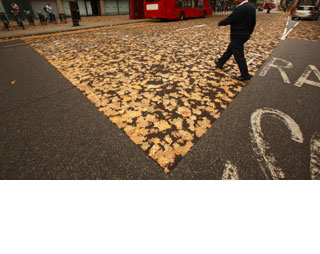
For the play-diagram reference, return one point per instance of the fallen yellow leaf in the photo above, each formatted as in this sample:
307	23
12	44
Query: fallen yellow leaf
166	170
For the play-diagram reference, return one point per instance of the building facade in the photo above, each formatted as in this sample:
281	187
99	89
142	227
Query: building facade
116	7
86	7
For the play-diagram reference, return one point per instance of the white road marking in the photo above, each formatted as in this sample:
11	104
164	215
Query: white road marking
15	45
287	65
254	57
164	40
196	26
315	157
303	79
266	161
199	25
285	29
286	32
230	172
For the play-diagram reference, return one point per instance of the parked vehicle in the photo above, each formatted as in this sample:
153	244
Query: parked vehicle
305	12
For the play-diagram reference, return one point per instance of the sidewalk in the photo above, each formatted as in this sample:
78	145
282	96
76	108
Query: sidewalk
85	23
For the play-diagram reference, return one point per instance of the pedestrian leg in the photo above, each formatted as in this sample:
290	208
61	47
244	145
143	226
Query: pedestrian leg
225	57
238	53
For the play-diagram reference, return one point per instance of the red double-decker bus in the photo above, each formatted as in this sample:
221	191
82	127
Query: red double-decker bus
176	9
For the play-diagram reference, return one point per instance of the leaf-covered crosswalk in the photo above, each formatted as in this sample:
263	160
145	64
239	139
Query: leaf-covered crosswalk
156	81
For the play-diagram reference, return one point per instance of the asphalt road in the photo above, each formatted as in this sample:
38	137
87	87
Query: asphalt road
49	130
235	146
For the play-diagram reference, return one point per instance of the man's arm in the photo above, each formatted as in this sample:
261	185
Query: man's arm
254	24
230	19
253	21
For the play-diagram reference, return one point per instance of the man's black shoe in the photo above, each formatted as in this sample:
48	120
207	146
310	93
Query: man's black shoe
241	78
218	65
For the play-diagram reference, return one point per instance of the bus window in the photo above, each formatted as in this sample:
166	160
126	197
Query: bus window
200	4
182	3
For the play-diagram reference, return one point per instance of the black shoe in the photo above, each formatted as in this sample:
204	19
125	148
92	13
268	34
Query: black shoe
218	65
241	78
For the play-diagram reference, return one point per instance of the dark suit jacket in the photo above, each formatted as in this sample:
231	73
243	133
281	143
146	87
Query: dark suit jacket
242	20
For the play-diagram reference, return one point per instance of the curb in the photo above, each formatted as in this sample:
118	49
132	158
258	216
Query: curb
24	33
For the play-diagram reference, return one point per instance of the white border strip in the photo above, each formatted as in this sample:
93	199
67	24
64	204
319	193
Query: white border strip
286	32
181	29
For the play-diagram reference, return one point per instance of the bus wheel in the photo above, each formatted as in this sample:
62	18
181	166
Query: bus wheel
204	14
181	17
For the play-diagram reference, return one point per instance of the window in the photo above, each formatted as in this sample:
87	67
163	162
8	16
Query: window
182	3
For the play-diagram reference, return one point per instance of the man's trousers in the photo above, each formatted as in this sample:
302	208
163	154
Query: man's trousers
235	48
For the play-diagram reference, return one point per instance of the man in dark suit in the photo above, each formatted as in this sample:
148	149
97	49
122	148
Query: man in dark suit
242	21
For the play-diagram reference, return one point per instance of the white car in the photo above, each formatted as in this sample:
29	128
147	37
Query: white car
306	12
